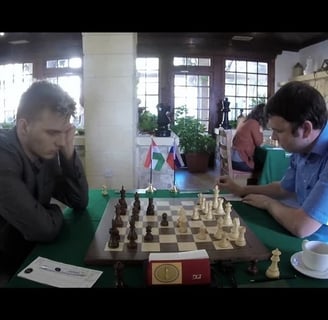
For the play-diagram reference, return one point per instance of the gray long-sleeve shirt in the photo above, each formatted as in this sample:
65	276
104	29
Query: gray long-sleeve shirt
26	189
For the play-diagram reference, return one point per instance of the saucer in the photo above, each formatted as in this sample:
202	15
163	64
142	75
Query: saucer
297	263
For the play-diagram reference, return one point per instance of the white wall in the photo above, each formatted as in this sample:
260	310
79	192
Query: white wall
110	112
286	61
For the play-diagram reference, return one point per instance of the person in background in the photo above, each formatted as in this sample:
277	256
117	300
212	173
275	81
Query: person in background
297	115
249	134
38	162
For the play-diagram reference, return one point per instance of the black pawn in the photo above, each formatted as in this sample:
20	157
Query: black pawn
148	236
252	269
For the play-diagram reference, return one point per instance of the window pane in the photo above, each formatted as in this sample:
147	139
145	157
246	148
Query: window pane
252	66
263	67
241	66
263	79
241	78
51	64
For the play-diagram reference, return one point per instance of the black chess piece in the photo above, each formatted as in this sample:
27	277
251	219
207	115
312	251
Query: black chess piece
252	269
164	222
118	269
148	236
225	110
150	209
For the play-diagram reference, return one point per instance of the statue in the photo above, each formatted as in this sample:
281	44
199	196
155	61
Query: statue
225	109
163	120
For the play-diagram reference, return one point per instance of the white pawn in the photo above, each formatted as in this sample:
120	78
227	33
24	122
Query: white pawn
227	221
219	231
195	214
241	242
235	228
220	209
201	235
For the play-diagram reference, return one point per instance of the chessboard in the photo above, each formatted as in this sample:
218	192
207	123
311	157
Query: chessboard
169	238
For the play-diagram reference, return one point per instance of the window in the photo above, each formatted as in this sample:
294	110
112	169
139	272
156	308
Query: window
246	85
148	83
66	73
192	85
14	80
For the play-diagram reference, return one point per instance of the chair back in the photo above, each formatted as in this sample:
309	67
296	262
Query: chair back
225	143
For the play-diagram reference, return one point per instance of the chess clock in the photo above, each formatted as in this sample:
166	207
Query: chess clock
166	273
175	272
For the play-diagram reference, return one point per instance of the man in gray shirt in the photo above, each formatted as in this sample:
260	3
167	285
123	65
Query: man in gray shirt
38	162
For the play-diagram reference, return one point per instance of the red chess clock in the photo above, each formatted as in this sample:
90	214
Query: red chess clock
186	268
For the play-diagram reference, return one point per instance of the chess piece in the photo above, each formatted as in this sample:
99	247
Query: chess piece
148	236
195	214
136	203
118	270
164	222
241	241
104	190
273	270
132	235
150	209
201	235
253	269
118	219
122	201
114	239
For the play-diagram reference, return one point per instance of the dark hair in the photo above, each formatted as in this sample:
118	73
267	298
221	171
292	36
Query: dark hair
297	102
257	114
45	95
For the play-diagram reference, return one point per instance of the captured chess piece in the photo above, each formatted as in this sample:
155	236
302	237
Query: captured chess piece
104	190
253	269
118	269
273	270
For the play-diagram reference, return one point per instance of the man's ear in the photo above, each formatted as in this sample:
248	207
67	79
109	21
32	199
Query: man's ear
307	128
22	126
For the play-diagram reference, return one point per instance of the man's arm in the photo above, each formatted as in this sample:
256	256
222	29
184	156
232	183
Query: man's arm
71	187
21	210
273	189
295	220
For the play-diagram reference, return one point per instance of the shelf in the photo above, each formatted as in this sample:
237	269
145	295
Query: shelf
312	76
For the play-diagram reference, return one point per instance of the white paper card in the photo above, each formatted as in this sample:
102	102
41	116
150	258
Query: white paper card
59	274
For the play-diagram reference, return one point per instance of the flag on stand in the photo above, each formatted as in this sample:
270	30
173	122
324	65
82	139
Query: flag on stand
154	157
174	158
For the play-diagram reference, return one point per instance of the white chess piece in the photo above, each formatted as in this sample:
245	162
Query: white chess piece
241	241
273	270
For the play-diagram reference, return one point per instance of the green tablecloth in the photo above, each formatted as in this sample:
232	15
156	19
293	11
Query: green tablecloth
273	163
78	231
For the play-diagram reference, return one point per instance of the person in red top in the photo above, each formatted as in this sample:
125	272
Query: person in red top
249	134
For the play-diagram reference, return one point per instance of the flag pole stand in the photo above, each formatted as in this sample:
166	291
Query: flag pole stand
150	188
174	188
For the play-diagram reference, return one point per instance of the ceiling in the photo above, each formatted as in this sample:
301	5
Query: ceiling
267	41
261	41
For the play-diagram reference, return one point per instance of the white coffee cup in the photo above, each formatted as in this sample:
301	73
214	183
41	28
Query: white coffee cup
315	255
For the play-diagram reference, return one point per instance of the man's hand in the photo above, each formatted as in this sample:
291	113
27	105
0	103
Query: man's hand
68	148
226	183
258	200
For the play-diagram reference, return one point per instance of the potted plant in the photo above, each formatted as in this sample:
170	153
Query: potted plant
194	141
147	122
